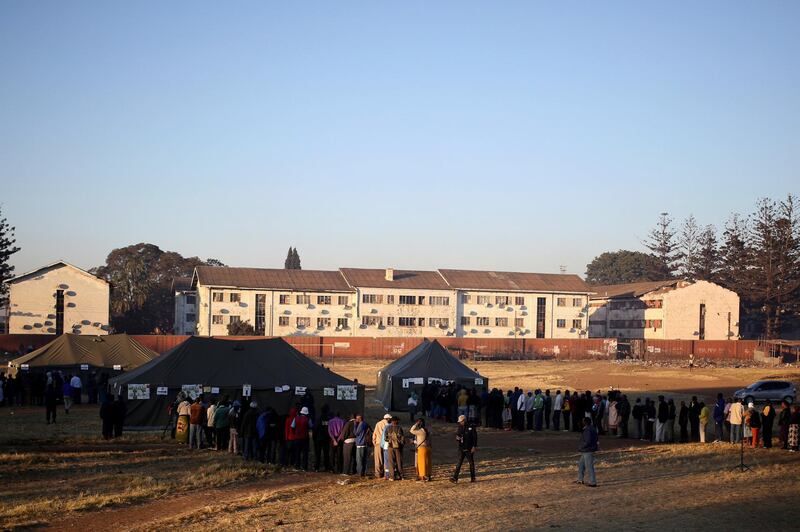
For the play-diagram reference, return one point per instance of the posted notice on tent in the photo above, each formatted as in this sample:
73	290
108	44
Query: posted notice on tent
162	390
437	380
215	389
347	392
299	390
118	367
138	391
246	389
279	389
84	367
413	380
328	392
25	367
192	390
478	381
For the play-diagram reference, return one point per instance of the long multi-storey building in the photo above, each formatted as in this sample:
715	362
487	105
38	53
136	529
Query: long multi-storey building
390	302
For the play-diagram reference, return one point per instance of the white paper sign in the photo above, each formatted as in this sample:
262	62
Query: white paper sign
246	389
162	390
192	390
299	390
279	389
215	389
84	367
479	381
25	367
118	367
206	389
138	391
347	392
285	387
328	392
431	380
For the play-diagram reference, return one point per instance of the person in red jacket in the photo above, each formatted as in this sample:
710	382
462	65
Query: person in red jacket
288	434
301	428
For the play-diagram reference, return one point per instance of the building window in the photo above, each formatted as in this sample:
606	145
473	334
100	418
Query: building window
235	297
390	321
464	320
421	322
343	300
577	324
439	322
283	321
482	321
653	324
302	323
371	320
577	301
191	317
323	300
466	299
541	313
303	299
483	300
519	301
323	323
234	319
439	301
407	322
501	322
191	300
373	299
216	319
561	324
390	299
502	300
519	323
341	323
561	302
408	300
216	297
654	303
284	299
261	313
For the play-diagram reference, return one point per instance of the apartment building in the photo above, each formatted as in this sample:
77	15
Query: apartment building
674	310
276	302
185	319
58	298
402	302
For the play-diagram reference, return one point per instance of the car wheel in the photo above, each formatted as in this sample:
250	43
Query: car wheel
789	399
749	399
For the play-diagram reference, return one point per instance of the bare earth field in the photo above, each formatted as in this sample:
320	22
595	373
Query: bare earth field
66	477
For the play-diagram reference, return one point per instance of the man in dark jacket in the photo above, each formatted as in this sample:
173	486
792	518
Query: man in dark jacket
347	440
663	416
118	413
719	416
638	416
107	417
467	438
694	418
50	400
588	446
322	441
767	419
624	409
249	432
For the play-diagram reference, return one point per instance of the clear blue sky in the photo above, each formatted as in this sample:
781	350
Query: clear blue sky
487	135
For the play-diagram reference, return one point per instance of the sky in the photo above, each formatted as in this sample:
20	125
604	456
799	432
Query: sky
517	136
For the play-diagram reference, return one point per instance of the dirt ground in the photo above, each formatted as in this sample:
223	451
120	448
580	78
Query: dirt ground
67	478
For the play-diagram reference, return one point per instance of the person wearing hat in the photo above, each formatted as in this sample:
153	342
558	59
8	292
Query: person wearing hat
301	428
422	444
467	438
395	439
377	445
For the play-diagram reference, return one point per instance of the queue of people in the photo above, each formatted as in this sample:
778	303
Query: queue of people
38	388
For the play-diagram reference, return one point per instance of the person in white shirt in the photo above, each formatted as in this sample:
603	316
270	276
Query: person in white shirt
525	404
75	384
558	403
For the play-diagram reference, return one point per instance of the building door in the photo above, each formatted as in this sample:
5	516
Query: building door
59	312
541	308
702	327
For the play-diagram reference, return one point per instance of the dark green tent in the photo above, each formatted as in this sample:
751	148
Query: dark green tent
278	376
428	362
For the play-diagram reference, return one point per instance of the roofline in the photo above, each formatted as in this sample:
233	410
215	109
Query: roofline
62	262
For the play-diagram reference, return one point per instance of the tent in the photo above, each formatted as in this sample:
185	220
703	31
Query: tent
76	352
427	363
269	370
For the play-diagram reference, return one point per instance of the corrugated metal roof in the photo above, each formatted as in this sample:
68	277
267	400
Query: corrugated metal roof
180	284
412	279
279	279
514	281
631	289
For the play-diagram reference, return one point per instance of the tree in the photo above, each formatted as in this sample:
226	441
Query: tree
7	248
292	261
241	328
623	266
661	242
707	263
689	248
216	263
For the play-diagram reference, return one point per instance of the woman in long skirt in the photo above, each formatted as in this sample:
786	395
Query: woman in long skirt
794	429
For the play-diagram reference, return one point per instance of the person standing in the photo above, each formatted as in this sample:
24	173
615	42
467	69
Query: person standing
118	413
794	429
638	415
422	444
694	418
77	386
683	422
335	425
107	418
467	438
66	392
705	415
222	425
395	439
322	441
210	429
182	430
361	432
347	441
613	415
250	432
195	423
670	432
528	408
754	421
377	449
784	420
661	419
624	409
767	418
736	419
302	425
558	405
548	405
719	417
538	410
50	399
588	446
234	424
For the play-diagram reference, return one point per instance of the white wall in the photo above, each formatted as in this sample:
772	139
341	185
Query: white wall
682	312
395	311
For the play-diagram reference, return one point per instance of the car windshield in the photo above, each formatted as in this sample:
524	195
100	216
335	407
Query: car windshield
754	385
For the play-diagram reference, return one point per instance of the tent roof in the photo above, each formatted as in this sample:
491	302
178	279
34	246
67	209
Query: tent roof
100	351
263	363
429	359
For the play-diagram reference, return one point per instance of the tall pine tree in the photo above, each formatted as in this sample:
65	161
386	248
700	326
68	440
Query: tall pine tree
7	248
661	243
735	256
292	261
707	263
689	247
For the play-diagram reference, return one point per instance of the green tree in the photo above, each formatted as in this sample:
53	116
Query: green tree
707	263
241	328
662	244
292	261
296	260
7	248
689	248
623	266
